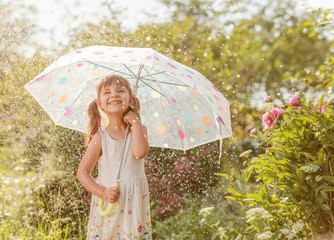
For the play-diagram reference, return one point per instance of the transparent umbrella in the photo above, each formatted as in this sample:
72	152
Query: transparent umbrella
179	106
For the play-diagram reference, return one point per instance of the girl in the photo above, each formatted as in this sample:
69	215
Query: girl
130	218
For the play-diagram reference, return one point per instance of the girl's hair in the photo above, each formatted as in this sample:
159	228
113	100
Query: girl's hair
93	110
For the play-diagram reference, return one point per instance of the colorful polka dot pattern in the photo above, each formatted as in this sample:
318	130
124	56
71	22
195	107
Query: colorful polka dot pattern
180	107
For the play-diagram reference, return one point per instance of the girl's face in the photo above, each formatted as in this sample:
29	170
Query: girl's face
114	98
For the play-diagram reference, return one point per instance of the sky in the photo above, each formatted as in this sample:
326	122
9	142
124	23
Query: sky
57	16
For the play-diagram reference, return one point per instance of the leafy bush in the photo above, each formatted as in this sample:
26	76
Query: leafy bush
205	216
294	172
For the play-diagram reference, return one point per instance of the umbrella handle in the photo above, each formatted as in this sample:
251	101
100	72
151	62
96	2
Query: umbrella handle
109	208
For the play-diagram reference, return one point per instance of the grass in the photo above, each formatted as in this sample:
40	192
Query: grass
43	231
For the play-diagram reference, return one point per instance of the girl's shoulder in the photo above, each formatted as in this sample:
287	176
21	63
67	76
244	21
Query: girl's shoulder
97	138
95	145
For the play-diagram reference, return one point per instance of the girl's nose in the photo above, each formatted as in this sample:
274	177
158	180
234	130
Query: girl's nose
114	94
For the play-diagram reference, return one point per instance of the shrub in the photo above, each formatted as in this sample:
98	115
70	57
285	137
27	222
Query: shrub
294	172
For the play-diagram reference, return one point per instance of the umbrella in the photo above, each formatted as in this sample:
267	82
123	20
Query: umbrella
179	106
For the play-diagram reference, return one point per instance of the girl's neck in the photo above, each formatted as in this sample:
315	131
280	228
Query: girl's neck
116	124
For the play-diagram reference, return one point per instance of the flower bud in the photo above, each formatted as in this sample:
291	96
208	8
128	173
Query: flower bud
294	100
268	99
253	131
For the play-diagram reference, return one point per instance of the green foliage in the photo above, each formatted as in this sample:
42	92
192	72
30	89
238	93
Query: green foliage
63	196
46	229
295	174
208	216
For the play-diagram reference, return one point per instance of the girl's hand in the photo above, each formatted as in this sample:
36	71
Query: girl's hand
110	194
131	118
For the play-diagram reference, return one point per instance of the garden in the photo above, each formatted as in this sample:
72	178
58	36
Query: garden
275	178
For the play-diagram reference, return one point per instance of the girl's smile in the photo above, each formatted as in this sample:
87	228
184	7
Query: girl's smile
112	96
115	102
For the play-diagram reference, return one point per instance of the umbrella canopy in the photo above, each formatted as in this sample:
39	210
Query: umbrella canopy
179	106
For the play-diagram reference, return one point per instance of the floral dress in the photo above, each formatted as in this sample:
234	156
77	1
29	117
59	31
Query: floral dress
130	218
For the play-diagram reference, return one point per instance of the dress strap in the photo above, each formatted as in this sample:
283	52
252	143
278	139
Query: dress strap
100	130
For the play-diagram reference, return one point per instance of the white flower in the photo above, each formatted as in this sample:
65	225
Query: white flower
310	168
308	177
291	236
255	213
221	231
205	210
318	178
285	231
298	226
265	235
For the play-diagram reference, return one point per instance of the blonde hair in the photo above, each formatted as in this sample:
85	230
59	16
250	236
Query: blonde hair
93	110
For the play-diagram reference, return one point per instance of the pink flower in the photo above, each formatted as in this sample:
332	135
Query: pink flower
294	100
253	131
268	119
268	99
86	197
323	109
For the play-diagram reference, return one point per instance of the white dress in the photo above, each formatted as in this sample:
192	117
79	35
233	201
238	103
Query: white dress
130	218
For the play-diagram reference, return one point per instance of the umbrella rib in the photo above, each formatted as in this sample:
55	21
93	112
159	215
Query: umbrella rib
130	70
153	74
153	80
133	75
153	88
119	71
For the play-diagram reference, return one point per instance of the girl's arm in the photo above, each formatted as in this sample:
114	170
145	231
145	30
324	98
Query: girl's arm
87	165
139	140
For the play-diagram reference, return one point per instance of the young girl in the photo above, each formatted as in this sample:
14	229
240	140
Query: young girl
130	218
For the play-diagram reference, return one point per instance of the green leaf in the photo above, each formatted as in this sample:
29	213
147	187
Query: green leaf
222	175
249	172
325	207
324	195
329	189
262	136
329	179
246	153
234	192
230	197
321	100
